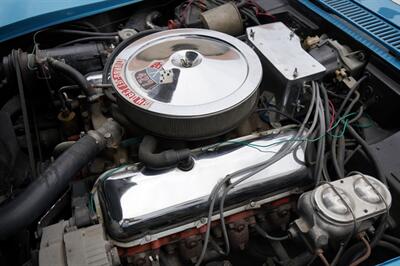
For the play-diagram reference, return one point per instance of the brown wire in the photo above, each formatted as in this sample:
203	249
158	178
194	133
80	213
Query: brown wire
366	255
322	257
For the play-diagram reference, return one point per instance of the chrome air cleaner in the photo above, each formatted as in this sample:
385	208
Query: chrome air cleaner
186	83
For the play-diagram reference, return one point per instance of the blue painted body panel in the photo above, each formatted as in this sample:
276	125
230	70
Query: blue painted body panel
392	262
387	9
378	28
18	17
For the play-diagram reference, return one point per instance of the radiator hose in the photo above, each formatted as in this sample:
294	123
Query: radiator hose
42	193
165	159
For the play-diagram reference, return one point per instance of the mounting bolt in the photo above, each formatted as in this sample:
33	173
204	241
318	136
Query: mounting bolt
295	73
147	238
252	204
107	135
252	33
275	131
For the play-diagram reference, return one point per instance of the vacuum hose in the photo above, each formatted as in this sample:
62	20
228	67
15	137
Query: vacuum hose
45	190
72	73
165	159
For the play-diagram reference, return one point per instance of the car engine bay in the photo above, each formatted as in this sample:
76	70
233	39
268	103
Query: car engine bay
198	132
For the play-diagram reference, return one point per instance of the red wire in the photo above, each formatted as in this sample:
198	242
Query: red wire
259	10
185	10
333	114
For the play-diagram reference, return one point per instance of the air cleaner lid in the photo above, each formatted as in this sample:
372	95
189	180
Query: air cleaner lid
186	72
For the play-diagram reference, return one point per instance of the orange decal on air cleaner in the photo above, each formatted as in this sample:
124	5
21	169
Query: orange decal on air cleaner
124	89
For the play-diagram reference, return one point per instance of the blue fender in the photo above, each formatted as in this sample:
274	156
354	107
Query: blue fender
18	17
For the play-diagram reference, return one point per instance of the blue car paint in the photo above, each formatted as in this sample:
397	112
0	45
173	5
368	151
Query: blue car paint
352	32
387	9
378	28
18	17
392	262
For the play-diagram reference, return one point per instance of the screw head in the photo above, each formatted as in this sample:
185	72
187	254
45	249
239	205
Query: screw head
252	33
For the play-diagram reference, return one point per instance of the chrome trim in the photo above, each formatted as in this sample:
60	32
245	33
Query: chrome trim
135	199
198	223
188	72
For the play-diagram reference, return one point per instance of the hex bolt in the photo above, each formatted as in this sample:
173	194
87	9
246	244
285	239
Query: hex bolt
147	238
191	244
252	33
107	135
295	73
240	227
283	213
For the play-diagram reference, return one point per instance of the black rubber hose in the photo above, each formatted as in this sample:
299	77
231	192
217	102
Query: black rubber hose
370	154
391	239
89	39
72	73
45	190
349	254
264	234
353	252
389	246
151	18
87	25
165	159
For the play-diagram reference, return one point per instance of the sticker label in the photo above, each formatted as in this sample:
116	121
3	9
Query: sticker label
159	83
151	76
124	89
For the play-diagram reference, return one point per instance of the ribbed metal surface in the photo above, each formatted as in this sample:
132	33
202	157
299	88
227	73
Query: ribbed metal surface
381	30
86	246
356	35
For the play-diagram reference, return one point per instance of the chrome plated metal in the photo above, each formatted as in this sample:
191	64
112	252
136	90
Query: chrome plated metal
148	238
94	78
187	72
186	83
282	48
138	199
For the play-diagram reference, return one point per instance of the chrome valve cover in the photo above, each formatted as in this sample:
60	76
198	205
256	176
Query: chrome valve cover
136	201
